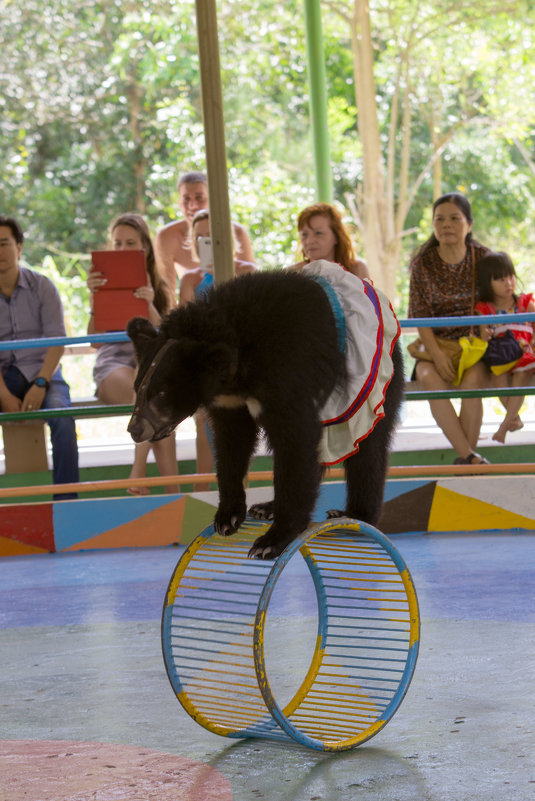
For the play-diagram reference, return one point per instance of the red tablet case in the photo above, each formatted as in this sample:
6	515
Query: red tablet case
115	304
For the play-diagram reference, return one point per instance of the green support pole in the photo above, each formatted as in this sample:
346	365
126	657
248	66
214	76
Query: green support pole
318	100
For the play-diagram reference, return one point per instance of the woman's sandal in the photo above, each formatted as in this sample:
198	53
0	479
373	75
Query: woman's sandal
470	459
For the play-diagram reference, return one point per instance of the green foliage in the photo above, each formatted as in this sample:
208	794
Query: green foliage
100	109
70	281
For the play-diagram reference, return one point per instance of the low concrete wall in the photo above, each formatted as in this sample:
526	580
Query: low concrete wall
486	503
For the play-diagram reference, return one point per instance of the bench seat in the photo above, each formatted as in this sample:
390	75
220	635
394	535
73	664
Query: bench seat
25	443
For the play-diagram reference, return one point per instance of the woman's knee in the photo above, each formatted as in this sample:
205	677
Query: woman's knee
476	377
117	387
428	377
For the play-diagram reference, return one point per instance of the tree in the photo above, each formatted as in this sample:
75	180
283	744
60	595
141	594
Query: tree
100	110
400	91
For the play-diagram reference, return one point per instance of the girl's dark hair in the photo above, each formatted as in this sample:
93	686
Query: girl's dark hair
163	300
463	204
492	265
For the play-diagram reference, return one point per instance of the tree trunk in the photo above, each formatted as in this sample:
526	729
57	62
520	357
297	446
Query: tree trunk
374	217
140	163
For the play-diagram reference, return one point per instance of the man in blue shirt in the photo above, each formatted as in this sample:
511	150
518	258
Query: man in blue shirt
30	378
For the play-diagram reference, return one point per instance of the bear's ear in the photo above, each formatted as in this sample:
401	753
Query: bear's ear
141	332
140	326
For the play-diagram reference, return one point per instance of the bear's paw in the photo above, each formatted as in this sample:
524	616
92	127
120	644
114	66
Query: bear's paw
228	521
262	511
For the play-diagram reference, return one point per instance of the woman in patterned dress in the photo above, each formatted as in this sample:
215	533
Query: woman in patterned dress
442	275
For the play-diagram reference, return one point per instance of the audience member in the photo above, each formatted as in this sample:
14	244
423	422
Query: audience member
323	235
193	286
195	282
31	378
497	284
115	366
173	242
442	285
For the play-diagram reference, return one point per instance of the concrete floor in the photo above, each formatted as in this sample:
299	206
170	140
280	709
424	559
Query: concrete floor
87	712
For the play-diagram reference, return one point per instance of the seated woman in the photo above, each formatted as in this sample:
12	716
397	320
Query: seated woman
323	235
442	284
115	366
193	285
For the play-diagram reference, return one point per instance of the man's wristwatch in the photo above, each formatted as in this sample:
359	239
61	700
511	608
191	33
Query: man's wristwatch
41	382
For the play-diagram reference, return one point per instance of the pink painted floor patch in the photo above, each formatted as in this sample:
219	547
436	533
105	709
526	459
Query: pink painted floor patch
59	770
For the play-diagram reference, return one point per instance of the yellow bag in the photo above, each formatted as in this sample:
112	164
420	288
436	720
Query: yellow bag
450	347
499	369
472	348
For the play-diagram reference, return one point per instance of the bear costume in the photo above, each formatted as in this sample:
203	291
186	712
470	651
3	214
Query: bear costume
310	357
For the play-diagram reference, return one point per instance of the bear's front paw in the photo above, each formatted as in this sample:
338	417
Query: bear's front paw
228	522
272	543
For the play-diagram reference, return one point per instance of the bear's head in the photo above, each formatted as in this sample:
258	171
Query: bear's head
175	377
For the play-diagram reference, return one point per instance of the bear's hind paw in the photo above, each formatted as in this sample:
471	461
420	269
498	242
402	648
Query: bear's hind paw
332	514
261	511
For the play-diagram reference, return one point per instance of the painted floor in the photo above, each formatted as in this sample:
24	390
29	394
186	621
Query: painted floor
87	712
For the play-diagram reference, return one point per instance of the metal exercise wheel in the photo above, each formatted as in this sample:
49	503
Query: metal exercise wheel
366	644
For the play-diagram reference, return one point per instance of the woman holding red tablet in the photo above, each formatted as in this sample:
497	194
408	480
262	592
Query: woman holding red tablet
115	365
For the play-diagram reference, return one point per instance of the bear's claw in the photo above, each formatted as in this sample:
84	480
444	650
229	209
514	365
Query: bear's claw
257	552
261	511
225	526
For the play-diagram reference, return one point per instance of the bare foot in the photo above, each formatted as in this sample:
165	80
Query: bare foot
516	424
501	433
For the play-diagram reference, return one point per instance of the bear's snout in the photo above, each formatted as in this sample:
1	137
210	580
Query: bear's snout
139	429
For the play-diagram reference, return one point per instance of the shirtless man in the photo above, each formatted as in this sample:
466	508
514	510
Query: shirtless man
173	248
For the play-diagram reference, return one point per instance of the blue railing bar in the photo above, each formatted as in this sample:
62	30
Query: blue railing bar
414	322
461	322
49	342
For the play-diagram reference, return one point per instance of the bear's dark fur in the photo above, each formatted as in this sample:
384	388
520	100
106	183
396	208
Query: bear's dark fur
260	351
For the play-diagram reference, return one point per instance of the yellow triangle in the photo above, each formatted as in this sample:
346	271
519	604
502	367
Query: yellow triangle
9	547
451	511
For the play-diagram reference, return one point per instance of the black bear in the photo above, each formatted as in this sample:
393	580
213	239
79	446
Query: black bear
271	350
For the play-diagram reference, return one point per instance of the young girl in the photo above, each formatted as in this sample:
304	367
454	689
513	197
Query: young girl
193	286
496	282
115	366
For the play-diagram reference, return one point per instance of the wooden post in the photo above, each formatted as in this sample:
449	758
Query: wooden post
25	446
214	136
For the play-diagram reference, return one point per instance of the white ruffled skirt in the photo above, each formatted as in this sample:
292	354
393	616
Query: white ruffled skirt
371	331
